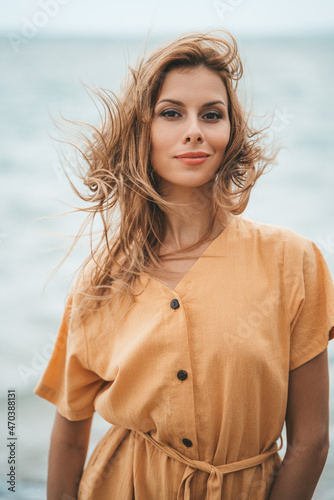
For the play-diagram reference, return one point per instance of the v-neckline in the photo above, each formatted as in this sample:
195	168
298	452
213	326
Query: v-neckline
213	242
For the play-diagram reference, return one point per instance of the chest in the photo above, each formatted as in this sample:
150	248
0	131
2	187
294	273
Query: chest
175	267
174	270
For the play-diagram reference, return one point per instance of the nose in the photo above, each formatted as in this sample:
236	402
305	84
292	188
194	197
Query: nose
192	131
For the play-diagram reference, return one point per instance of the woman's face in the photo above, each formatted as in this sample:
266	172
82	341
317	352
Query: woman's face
197	122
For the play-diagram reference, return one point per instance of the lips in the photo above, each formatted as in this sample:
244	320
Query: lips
194	154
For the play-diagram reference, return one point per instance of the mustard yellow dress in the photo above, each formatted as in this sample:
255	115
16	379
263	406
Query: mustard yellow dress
195	379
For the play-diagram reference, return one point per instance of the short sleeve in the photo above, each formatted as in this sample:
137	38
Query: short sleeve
68	382
309	294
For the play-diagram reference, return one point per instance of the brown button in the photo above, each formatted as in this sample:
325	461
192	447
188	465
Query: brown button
187	442
182	374
174	304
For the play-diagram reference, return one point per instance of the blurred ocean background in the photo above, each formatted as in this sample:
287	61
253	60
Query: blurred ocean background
291	78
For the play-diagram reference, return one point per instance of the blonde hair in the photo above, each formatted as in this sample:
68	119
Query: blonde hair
121	179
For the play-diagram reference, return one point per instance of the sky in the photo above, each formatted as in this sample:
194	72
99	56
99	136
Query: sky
149	17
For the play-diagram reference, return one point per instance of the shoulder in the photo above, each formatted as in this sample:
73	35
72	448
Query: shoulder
261	232
83	279
86	278
300	259
87	305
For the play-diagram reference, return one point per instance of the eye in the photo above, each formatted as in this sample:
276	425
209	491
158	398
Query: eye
216	115
164	113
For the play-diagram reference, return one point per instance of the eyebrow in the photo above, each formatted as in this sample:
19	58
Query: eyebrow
179	103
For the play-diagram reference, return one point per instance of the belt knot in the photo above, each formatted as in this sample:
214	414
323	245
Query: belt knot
216	472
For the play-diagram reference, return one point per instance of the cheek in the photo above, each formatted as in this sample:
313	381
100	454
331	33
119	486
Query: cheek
155	137
161	139
157	146
220	140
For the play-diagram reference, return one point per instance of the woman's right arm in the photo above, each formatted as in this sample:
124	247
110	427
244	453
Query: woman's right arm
67	455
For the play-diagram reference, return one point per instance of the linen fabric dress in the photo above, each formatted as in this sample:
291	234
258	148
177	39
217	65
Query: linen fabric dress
195	379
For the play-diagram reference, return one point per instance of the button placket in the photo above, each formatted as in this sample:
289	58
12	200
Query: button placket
182	392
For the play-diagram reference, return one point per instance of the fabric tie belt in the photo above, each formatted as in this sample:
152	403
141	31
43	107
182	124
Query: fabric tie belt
216	472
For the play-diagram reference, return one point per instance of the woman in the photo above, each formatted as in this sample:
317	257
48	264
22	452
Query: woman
196	359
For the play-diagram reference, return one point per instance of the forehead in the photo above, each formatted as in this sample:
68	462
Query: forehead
193	81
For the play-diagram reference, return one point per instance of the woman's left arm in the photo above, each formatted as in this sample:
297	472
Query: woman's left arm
307	427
